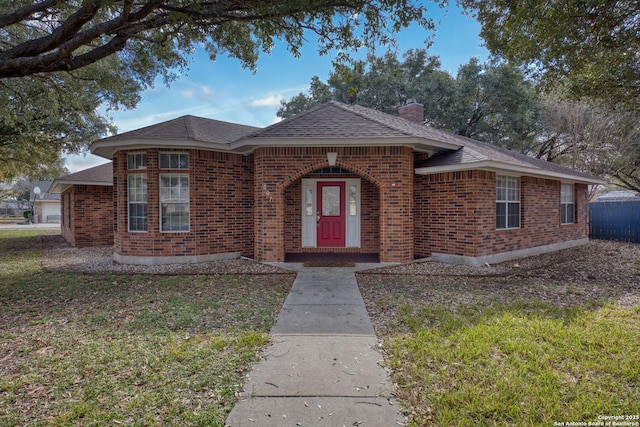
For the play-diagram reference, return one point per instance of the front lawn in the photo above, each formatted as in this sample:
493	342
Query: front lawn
111	349
531	347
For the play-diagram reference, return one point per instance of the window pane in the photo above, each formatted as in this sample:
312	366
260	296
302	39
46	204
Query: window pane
568	213
331	201
309	201
353	204
137	194
174	161
175	217
571	213
164	161
513	220
136	161
501	215
567	193
174	202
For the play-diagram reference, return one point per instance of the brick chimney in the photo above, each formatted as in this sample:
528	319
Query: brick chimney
412	111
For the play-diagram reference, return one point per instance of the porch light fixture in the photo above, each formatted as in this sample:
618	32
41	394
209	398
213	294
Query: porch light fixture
331	158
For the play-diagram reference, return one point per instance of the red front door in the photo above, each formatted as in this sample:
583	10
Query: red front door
331	214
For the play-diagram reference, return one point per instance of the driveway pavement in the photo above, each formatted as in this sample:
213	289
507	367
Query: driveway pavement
323	365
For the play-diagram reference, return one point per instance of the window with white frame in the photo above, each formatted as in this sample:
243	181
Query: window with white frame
174	161
567	204
174	202
137	202
507	202
136	161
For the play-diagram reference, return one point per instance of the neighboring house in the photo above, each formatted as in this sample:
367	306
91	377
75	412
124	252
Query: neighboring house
46	205
87	206
619	196
336	179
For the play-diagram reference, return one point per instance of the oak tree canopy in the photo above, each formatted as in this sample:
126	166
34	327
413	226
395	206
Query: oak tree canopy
60	61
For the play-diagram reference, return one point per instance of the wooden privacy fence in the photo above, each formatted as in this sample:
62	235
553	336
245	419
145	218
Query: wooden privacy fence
615	220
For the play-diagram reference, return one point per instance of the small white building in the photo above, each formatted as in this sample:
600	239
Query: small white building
46	206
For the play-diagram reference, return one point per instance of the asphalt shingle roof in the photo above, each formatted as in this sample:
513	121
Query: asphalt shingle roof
190	128
334	121
44	191
97	175
477	151
337	120
102	173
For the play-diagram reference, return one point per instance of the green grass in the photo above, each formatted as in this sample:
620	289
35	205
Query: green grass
520	364
125	349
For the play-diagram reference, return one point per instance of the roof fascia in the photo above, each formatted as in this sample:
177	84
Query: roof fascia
422	144
107	148
494	166
58	187
65	184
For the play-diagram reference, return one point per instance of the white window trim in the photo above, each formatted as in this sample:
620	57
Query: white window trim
563	203
134	155
161	153
508	202
146	202
160	202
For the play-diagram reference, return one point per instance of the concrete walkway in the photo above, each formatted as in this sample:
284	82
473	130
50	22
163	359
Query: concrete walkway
322	368
16	226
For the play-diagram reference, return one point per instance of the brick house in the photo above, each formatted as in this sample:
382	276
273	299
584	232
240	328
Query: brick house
336	179
86	207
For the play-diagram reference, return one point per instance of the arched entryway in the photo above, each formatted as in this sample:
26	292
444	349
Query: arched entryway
332	210
278	177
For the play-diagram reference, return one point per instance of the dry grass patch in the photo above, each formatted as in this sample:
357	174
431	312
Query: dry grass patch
98	349
555	338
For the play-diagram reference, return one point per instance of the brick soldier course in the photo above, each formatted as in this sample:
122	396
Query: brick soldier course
420	191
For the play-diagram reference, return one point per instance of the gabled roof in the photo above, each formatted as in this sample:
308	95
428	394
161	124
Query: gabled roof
338	124
98	175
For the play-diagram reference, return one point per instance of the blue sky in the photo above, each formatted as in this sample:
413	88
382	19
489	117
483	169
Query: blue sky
223	90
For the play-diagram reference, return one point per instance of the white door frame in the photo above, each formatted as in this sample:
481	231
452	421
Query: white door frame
351	202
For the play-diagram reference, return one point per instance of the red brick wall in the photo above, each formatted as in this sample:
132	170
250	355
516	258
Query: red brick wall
221	207
388	169
66	217
87	215
369	224
455	214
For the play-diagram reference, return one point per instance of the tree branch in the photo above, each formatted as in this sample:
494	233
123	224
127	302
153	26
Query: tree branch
24	12
71	26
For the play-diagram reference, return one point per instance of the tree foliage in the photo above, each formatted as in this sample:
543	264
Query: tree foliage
42	116
60	61
590	138
492	102
153	36
588	46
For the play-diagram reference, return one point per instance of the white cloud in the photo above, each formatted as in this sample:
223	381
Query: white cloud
268	101
199	92
187	93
